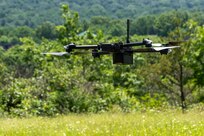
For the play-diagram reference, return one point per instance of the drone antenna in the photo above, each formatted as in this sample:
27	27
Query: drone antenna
128	31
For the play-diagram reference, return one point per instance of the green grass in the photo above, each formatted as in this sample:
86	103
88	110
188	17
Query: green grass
171	123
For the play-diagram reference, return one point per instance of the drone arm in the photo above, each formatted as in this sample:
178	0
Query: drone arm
86	47
133	44
146	42
144	50
72	46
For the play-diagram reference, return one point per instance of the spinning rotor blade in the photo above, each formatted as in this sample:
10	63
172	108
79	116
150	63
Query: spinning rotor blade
170	43
147	50
56	53
157	44
164	48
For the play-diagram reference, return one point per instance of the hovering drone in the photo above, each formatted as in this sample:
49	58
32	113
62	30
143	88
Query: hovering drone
122	52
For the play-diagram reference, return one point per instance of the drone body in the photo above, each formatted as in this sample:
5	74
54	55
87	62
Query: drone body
122	53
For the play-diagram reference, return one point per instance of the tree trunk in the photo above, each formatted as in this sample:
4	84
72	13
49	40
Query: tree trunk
182	95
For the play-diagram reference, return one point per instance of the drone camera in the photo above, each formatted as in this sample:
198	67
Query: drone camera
123	58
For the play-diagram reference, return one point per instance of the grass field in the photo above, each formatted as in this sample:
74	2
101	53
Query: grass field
172	123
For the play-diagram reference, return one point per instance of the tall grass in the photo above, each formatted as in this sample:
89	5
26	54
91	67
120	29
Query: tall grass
120	124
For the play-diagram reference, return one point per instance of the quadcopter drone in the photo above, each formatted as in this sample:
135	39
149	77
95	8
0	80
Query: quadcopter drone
122	53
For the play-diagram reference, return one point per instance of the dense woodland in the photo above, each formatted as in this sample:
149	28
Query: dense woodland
35	84
34	12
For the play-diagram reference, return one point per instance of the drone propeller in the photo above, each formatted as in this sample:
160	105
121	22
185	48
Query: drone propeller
164	48
56	53
157	44
173	43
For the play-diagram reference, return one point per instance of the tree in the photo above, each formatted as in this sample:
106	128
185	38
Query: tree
46	30
23	31
4	70
178	77
169	21
198	56
20	59
144	25
68	31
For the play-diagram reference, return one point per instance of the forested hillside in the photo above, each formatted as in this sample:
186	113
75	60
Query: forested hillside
34	12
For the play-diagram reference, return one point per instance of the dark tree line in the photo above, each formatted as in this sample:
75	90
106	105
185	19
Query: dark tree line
34	12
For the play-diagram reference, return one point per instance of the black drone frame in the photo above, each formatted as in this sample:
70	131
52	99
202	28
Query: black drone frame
122	52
